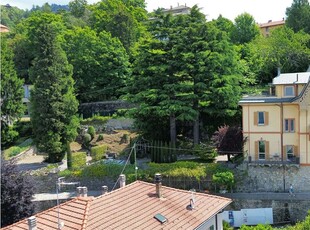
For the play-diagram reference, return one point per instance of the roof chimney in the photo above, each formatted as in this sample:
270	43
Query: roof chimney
122	180
32	223
158	185
279	71
81	191
104	189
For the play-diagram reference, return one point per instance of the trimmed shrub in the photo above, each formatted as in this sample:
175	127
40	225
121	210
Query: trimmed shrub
91	130
100	137
78	160
97	153
86	139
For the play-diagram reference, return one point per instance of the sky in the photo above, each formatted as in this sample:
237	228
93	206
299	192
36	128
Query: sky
261	10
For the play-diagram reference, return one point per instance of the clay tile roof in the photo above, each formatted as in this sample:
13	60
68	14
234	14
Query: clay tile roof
72	213
271	24
132	207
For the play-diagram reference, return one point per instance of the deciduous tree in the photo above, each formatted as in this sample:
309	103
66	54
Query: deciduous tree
298	16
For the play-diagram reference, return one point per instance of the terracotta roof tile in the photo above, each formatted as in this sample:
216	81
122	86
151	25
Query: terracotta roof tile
131	207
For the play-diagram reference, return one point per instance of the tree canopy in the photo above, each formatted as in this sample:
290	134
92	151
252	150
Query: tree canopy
12	93
298	16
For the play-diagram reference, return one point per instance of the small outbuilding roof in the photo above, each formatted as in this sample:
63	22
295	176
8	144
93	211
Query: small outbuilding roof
291	78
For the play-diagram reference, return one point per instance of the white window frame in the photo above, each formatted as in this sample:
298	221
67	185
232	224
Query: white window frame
286	94
289	125
261	155
259	121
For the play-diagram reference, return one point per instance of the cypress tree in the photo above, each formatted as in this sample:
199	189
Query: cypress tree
53	103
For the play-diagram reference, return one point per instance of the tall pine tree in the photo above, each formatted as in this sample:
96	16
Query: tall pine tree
53	101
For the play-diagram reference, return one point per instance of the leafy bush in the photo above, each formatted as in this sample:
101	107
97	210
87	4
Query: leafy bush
86	139
11	152
91	130
78	160
100	137
205	152
15	150
223	179
95	120
97	153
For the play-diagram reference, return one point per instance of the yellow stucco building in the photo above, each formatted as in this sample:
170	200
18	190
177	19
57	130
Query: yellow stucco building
277	126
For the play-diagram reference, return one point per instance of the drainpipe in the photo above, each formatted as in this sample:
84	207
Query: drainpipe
282	150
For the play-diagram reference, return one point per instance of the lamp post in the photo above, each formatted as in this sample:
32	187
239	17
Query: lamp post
59	183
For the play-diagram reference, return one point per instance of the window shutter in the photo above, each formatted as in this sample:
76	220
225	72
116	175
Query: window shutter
267	150
255	118
296	154
256	150
266	118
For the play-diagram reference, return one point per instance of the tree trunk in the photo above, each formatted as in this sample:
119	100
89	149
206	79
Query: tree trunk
196	131
173	132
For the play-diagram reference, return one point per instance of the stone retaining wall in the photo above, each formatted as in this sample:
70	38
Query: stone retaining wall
273	178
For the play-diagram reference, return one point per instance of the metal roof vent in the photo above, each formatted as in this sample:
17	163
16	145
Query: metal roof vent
32	223
160	218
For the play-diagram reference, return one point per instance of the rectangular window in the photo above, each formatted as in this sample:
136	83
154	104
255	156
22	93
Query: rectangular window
289	91
289	125
261	118
261	150
289	149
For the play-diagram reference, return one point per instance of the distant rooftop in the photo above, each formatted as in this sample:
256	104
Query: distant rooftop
270	23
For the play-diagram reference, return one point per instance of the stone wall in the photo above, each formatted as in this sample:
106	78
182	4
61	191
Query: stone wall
272	178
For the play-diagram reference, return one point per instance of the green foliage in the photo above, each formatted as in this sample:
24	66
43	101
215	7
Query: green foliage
122	19
11	89
258	227
226	226
298	16
11	152
177	169
15	150
175	83
100	64
245	29
100	137
86	139
78	160
24	128
91	131
223	179
98	152
95	120
205	152
53	102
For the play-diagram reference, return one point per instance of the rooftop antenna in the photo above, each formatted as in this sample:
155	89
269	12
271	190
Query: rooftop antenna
60	182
